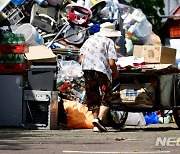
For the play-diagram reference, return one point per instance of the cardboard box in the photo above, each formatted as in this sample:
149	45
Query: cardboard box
136	94
155	54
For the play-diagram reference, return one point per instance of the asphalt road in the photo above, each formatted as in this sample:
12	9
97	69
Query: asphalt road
129	140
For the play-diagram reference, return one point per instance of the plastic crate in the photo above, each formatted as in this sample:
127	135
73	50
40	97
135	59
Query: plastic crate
14	48
13	13
12	68
16	16
175	32
11	58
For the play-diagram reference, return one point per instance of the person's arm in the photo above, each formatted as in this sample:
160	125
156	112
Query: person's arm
113	67
80	59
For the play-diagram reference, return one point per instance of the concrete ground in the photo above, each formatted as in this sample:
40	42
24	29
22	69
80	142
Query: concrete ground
129	140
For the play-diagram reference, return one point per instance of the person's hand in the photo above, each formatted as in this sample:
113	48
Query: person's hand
80	59
112	64
129	35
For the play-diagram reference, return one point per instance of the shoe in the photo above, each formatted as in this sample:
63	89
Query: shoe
99	124
95	129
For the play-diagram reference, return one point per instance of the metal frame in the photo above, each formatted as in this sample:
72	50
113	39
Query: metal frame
38	96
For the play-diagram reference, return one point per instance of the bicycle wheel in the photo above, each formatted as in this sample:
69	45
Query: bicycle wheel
117	119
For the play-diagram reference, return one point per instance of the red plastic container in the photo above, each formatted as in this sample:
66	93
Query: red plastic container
12	68
14	48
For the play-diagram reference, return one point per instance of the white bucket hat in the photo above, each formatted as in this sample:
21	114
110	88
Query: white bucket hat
108	29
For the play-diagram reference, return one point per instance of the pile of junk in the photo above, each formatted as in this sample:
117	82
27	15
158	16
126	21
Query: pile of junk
63	26
46	35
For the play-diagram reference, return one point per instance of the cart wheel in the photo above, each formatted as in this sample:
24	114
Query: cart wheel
176	114
117	119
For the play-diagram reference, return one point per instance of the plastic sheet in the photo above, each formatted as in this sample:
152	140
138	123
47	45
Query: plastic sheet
78	115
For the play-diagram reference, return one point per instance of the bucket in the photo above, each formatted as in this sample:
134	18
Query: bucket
31	35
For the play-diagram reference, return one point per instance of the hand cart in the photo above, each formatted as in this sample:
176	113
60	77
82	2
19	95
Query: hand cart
150	88
162	79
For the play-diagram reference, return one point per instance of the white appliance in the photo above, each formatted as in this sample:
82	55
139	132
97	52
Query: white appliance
40	109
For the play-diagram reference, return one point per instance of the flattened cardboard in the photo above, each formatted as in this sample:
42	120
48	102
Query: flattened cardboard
39	53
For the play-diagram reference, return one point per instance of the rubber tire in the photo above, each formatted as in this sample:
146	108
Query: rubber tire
176	114
117	124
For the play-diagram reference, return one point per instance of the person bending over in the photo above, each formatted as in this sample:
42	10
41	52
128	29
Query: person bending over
97	58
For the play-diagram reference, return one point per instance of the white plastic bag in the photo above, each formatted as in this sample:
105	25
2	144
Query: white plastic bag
70	82
135	119
69	69
143	29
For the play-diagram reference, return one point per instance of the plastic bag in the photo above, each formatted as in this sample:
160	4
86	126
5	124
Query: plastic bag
78	115
129	47
70	68
131	18
151	118
135	119
70	81
153	39
143	29
67	70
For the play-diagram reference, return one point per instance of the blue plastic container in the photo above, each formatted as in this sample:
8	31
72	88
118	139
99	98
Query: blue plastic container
18	2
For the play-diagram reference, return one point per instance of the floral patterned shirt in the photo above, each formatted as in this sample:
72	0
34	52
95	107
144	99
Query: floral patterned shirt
96	52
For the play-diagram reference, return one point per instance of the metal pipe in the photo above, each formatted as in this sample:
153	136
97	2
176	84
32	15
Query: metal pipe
165	16
57	35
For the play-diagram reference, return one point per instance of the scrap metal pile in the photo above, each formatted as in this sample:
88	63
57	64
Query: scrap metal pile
64	25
